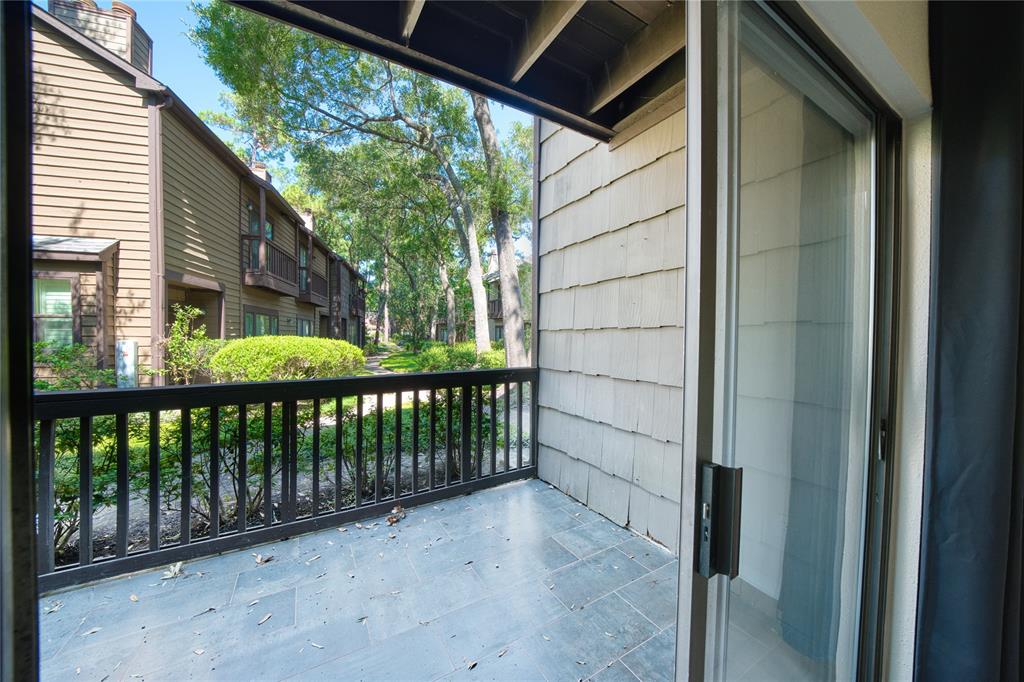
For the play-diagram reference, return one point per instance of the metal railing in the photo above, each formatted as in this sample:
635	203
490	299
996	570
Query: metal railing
182	472
319	285
494	308
280	264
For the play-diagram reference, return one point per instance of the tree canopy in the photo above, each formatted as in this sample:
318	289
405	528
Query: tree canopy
392	162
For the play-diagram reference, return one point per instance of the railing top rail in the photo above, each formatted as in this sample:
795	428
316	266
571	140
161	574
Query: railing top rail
107	401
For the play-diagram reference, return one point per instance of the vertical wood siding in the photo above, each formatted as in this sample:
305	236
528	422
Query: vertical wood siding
612	252
90	174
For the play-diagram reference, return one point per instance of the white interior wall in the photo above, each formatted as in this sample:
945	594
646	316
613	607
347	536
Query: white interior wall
612	250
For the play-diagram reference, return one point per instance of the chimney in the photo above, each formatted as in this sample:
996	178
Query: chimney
115	29
259	169
307	218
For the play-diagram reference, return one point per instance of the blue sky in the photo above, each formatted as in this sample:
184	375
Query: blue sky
178	64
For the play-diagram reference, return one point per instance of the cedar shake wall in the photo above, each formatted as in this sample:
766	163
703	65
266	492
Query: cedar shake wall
612	252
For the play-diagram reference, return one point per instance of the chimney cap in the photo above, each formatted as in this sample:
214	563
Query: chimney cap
123	8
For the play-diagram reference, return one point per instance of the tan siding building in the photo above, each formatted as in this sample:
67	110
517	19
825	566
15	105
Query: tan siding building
132	190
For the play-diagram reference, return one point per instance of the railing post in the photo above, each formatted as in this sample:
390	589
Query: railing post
45	496
467	433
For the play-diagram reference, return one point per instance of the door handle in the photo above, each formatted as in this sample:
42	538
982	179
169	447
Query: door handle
718	536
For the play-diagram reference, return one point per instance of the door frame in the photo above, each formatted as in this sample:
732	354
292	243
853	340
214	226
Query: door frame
19	651
703	370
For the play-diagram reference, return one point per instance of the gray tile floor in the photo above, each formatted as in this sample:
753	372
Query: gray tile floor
518	582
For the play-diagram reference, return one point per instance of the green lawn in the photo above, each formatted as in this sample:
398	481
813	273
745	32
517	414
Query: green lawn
401	361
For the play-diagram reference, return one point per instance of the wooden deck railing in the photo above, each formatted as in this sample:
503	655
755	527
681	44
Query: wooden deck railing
223	466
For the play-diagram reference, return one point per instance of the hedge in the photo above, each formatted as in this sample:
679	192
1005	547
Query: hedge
278	358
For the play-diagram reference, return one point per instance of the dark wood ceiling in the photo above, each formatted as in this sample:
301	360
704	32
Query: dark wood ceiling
592	65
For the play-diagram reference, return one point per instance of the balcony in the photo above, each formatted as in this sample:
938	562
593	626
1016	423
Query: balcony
494	309
312	288
357	304
330	581
276	270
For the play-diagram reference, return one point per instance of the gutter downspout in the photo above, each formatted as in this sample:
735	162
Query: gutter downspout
158	281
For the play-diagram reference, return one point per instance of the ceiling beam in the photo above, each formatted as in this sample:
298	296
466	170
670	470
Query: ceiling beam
410	14
665	36
541	30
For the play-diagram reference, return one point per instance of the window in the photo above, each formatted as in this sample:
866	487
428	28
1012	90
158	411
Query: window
304	327
269	230
261	323
499	332
55	310
254	220
303	267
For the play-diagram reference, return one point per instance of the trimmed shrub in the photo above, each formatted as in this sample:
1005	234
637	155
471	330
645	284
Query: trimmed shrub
278	358
492	359
463	355
433	359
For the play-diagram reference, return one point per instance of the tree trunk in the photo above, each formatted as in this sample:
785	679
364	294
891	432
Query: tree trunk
449	301
383	331
508	272
465	228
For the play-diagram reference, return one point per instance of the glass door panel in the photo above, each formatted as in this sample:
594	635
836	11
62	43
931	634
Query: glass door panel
796	243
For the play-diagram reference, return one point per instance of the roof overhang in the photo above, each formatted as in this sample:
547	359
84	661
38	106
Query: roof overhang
47	247
591	65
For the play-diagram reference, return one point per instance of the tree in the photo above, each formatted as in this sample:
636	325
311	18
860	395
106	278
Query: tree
312	93
502	203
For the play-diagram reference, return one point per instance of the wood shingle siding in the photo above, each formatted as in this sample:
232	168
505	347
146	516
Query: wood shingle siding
91	172
612	252
200	224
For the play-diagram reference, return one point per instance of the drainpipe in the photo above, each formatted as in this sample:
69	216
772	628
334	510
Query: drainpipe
158	281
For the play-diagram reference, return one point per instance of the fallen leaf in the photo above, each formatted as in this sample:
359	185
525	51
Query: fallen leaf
54	607
264	619
581	662
254	602
546	638
472	664
321	575
361	619
468	563
313	559
392	536
91	631
502	653
173	571
208	610
343	530
199	652
608	634
260	559
359	525
314	644
134	597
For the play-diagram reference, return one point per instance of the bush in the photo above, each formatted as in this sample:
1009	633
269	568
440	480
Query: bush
69	368
278	358
492	359
433	359
463	355
187	349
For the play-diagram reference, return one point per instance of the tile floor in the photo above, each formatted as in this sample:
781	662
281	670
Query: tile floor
518	582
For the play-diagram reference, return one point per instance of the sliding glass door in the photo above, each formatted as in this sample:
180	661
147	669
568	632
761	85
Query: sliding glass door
796	293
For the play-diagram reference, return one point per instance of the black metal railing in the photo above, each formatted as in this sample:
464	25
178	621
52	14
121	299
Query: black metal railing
130	479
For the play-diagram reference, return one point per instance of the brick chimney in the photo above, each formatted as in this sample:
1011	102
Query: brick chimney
259	169
308	219
115	29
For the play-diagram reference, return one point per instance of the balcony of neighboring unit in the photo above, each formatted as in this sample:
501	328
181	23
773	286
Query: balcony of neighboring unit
271	269
494	308
357	304
312	287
